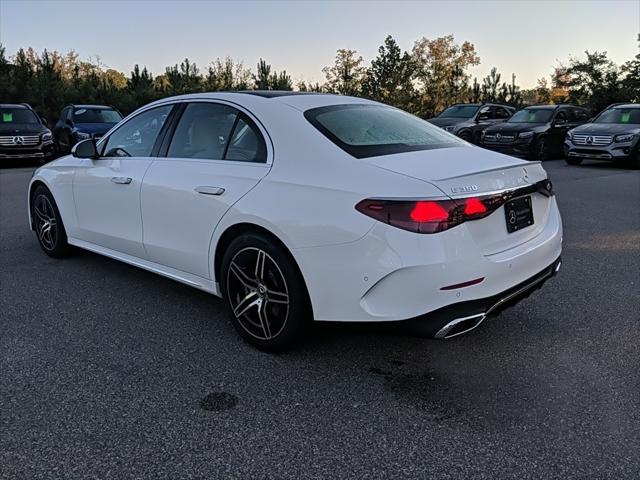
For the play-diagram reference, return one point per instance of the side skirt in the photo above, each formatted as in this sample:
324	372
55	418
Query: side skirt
177	275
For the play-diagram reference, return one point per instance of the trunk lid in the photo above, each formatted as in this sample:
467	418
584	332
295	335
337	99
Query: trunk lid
474	172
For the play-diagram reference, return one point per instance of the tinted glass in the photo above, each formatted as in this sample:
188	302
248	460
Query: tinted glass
460	111
96	115
246	143
620	115
532	115
203	131
17	115
137	136
373	130
502	113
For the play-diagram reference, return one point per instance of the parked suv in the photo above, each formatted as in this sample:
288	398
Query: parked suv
468	120
535	132
614	135
23	134
79	122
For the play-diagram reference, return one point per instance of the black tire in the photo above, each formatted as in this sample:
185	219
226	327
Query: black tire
47	223
573	161
539	151
269	306
466	136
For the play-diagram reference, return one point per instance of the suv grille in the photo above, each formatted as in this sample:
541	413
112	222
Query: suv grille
595	140
20	141
498	138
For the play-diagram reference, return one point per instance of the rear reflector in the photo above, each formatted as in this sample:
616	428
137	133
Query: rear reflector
463	284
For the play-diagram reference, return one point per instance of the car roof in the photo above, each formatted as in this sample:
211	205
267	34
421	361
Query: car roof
92	106
250	99
15	105
627	105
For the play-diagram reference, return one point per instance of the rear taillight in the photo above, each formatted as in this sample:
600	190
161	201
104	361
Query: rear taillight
432	216
425	216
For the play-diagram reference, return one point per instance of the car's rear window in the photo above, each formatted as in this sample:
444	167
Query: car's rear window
372	130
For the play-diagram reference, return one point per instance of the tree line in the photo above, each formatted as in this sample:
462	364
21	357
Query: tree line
424	80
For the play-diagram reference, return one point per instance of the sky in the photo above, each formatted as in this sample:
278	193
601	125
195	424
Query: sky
527	38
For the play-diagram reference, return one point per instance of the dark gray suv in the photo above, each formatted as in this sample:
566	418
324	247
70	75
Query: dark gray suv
614	135
468	120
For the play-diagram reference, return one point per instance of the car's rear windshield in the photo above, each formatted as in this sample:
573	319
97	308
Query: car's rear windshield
96	115
532	115
372	130
17	115
620	115
459	111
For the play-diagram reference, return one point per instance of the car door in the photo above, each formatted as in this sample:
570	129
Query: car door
215	155
106	190
559	127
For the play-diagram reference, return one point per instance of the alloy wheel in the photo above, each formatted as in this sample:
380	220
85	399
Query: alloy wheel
257	293
45	222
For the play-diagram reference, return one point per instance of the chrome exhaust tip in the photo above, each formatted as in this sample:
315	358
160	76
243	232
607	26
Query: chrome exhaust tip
460	326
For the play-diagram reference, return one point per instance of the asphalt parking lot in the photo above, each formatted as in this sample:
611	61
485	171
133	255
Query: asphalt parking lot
107	371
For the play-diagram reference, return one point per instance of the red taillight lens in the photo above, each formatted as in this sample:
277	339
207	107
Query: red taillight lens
424	216
474	206
429	212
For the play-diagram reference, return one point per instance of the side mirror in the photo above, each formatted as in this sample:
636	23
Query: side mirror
85	149
560	121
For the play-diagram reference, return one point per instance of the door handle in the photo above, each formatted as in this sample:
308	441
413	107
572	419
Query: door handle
209	190
121	180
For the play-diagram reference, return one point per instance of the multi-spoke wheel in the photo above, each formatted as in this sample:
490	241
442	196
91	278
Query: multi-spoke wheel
48	224
264	292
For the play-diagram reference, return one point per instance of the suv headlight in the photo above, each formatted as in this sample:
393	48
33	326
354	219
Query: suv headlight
625	137
525	135
82	135
47	136
450	128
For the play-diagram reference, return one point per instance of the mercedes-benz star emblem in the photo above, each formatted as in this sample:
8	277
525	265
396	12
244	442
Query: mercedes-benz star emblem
498	136
589	140
18	140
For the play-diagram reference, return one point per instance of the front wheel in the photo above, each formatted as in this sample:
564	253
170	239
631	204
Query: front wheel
47	223
264	292
466	136
539	151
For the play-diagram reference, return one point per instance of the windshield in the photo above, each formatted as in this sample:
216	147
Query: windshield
620	115
373	130
460	111
533	115
17	115
96	115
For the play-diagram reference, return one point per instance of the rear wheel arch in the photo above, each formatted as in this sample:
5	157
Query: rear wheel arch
234	231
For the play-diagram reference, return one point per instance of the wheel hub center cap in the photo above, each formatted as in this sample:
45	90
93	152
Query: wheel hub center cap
262	290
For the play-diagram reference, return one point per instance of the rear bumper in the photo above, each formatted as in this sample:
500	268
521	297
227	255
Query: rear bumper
454	320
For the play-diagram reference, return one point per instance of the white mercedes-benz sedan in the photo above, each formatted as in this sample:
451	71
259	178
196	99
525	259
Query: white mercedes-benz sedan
295	207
